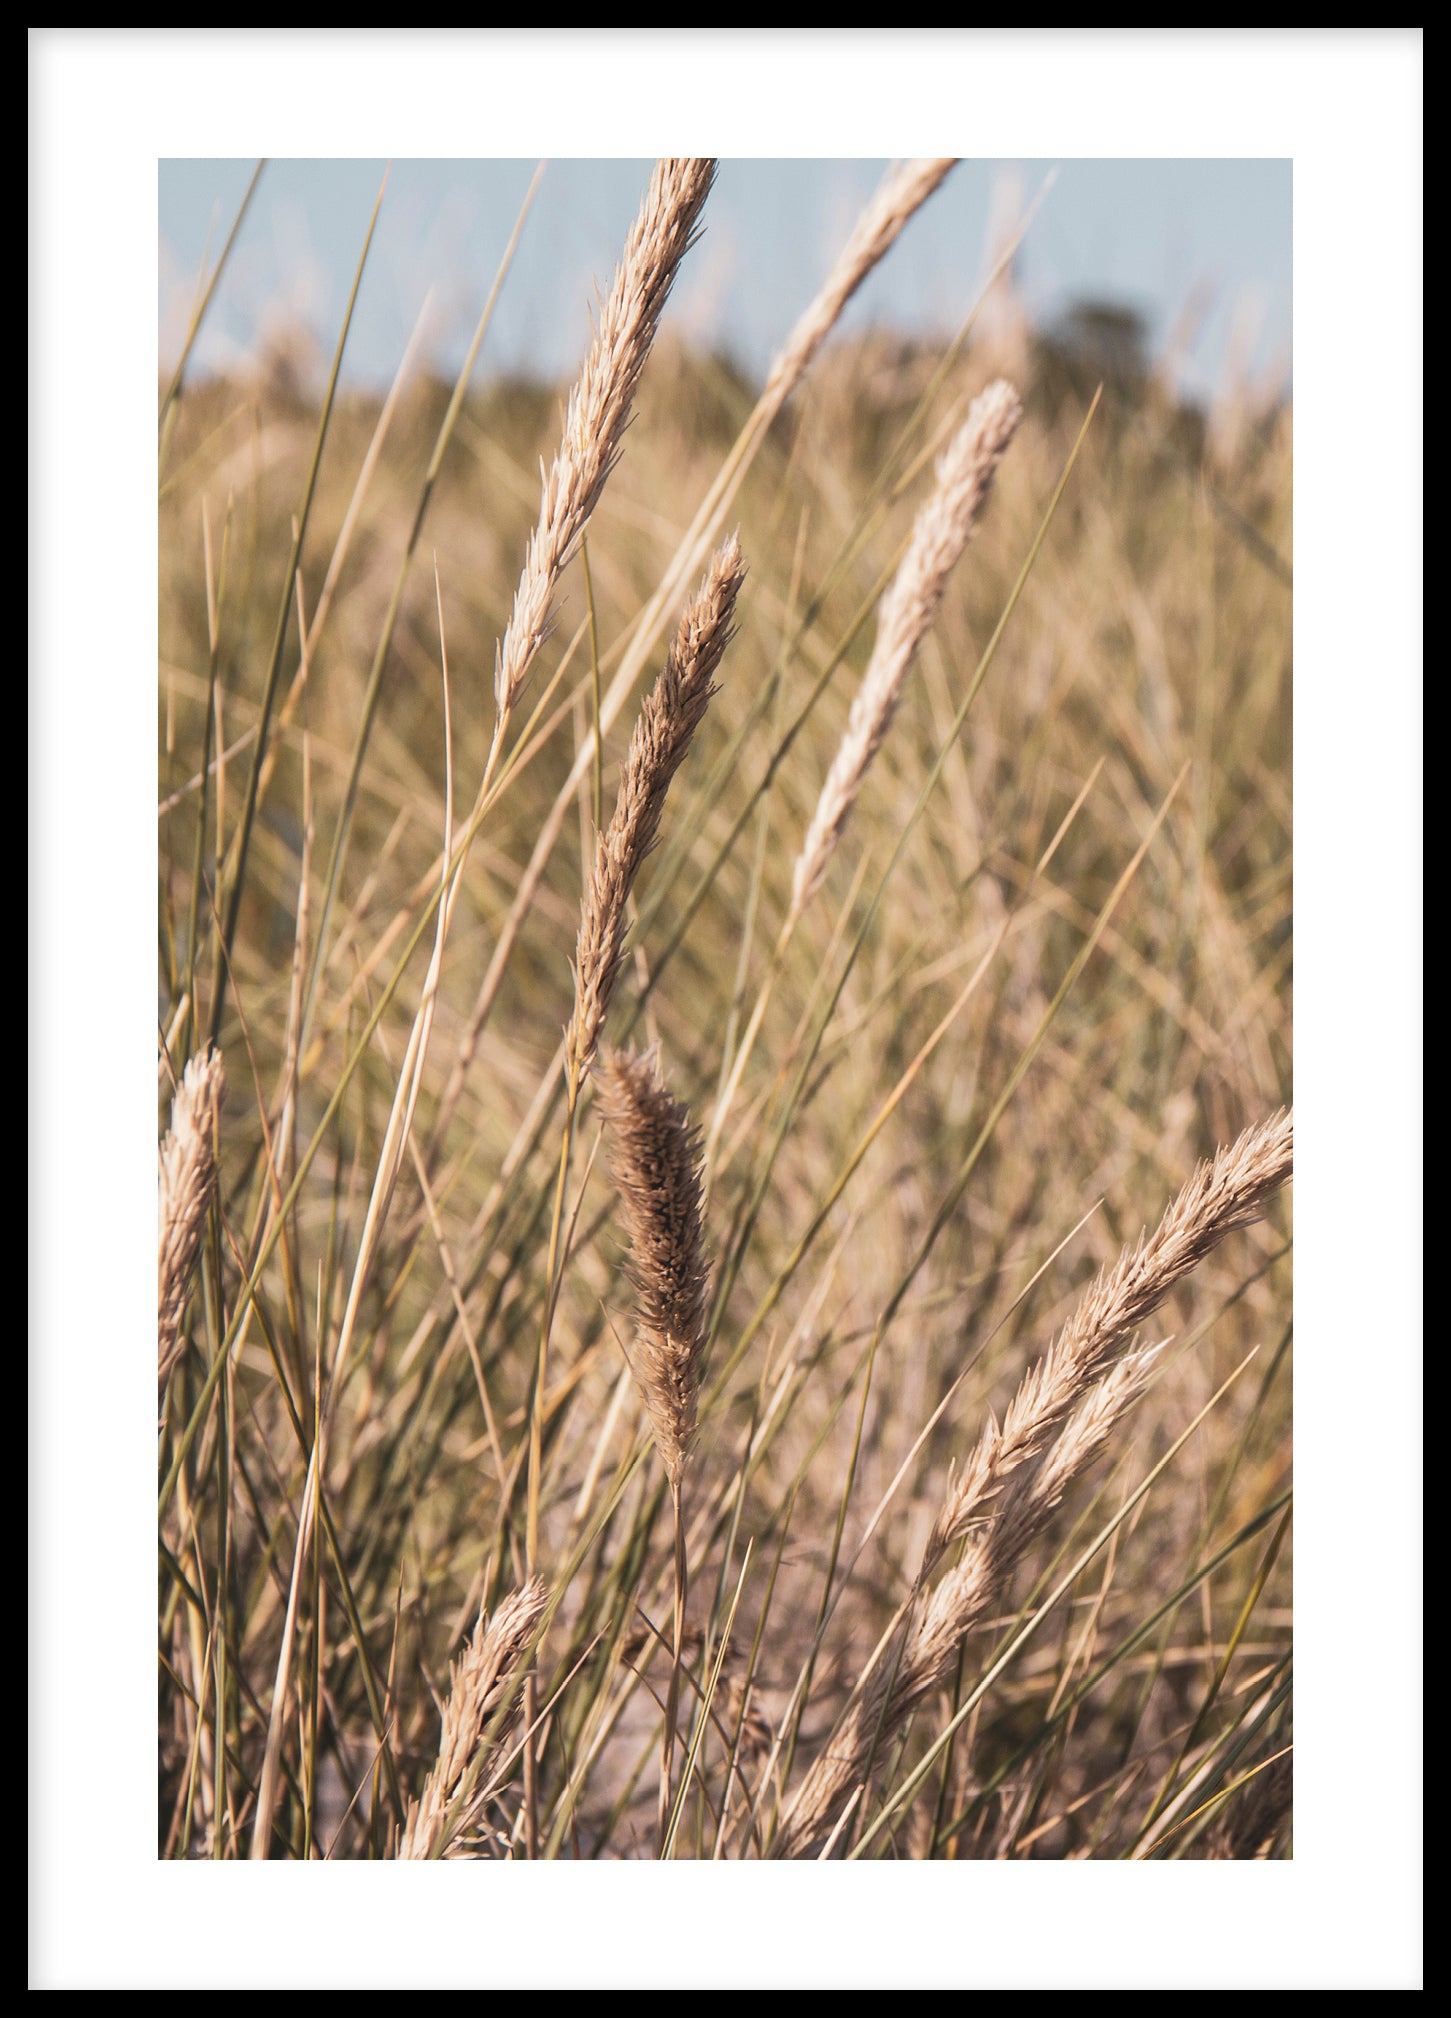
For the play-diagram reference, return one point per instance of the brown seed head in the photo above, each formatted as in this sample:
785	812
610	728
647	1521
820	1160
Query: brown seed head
669	717
653	1151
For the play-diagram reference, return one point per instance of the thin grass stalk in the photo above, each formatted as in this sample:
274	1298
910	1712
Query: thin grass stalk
703	1720
1219	1760
1247	1827
1209	1522
342	546
198	315
390	1160
1241	1624
1140	1635
216	591
672	1694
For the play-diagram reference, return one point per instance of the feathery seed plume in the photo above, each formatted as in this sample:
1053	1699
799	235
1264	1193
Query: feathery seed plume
477	1680
904	188
669	717
599	406
943	527
653	1151
1225	1193
1062	1415
187	1173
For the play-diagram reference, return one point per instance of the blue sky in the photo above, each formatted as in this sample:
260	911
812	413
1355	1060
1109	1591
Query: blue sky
1200	248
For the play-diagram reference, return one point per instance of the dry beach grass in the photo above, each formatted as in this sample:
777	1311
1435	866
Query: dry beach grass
607	1412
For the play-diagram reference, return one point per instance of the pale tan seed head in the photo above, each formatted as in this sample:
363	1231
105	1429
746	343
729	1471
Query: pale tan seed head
1225	1193
187	1173
599	406
904	188
943	528
1060	1418
478	1680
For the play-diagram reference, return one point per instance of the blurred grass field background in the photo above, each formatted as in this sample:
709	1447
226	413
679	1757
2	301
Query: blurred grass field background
1139	694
